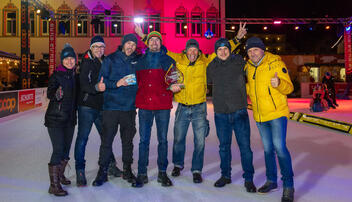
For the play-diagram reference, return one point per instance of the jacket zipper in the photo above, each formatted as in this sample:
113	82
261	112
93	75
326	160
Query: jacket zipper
255	89
272	99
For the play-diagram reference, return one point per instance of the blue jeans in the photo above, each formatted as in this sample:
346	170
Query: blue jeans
197	114
238	122
86	117
145	126
273	134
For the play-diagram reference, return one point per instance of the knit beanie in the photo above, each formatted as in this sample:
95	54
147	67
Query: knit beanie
67	51
97	39
192	43
154	34
128	37
222	42
254	42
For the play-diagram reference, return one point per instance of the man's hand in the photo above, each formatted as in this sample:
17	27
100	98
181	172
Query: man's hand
176	87
122	82
242	31
138	30
275	81
101	85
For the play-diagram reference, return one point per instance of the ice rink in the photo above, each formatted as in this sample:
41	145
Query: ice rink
322	163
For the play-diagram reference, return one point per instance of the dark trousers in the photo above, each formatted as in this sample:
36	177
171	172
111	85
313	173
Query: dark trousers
111	121
61	139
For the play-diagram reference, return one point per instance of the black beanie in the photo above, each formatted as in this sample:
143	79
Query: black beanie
254	42
128	37
67	51
97	39
192	43
222	42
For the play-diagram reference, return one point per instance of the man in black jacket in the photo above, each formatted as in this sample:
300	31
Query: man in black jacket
226	74
90	102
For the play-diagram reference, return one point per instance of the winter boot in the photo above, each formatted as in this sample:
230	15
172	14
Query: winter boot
288	195
55	186
63	179
127	173
113	170
101	177
164	179
81	180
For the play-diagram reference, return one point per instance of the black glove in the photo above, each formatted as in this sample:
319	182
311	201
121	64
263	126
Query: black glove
59	93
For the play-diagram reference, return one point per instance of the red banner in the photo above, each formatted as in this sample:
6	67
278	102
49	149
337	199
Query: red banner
348	51
26	100
52	46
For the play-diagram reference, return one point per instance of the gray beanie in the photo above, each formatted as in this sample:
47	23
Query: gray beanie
128	37
192	43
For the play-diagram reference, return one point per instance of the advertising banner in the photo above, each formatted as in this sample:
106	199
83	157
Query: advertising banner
52	46
348	52
40	97
26	100
8	103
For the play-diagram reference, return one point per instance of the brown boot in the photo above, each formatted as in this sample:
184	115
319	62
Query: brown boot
55	186
63	179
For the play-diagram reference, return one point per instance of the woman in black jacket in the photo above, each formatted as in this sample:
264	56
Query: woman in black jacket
60	118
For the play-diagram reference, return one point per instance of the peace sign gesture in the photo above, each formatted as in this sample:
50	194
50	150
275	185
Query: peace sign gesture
242	31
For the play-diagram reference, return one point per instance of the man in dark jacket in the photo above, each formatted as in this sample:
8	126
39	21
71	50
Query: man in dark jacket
117	78
154	100
226	74
90	103
328	80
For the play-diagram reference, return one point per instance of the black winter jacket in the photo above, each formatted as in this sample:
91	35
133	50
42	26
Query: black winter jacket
88	78
61	113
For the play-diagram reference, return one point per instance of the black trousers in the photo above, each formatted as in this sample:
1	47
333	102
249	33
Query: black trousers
111	121
61	139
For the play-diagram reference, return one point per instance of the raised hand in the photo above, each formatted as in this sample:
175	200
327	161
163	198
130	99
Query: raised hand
242	31
101	85
138	30
122	82
275	81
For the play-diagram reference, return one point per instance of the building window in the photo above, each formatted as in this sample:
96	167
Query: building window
64	21
181	25
98	23
196	17
212	15
152	23
45	27
82	25
32	22
11	28
116	24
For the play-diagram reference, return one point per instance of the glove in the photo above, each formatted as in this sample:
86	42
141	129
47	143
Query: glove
59	93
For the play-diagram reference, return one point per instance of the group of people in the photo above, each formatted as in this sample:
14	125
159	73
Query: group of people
108	90
324	95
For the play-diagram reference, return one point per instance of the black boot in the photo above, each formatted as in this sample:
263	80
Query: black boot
81	180
113	170
268	187
288	195
176	171
128	174
140	181
164	179
197	178
222	181
55	186
101	178
250	187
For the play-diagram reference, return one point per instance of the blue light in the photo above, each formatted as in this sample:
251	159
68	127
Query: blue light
348	28
310	28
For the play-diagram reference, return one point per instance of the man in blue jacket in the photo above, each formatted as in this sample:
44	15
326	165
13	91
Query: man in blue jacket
117	77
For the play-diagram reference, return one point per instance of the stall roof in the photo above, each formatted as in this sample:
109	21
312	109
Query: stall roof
9	55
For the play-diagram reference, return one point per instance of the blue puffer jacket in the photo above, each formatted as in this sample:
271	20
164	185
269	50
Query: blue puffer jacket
116	66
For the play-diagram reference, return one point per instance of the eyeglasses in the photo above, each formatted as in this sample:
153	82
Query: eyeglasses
98	47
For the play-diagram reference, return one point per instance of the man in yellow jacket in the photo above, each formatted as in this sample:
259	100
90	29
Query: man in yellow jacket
268	84
192	102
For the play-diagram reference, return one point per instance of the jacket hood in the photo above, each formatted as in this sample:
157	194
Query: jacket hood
89	55
268	58
62	68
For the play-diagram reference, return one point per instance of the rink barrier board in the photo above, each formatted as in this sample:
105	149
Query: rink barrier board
319	121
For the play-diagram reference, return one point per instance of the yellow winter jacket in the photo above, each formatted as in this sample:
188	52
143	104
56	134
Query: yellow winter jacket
195	80
268	103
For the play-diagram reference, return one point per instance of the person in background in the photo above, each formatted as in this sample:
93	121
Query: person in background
328	80
226	74
268	86
119	108
60	118
90	104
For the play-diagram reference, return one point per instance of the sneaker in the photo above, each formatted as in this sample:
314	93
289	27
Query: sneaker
176	171
267	187
250	187
197	178
222	181
140	181
113	170
287	195
164	179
